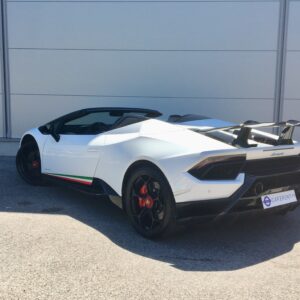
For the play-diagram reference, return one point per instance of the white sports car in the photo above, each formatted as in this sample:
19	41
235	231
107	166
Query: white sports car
163	172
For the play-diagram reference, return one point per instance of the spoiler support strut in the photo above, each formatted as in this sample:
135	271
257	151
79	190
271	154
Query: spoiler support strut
244	132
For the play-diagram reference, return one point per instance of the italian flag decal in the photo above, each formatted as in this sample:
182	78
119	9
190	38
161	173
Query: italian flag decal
73	178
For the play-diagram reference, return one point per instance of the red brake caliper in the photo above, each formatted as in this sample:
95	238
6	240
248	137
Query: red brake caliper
145	200
35	164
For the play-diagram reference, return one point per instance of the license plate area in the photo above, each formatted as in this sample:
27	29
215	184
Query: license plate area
278	199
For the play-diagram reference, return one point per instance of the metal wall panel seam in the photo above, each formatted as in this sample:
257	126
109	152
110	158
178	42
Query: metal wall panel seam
281	60
142	50
124	1
142	96
3	133
5	64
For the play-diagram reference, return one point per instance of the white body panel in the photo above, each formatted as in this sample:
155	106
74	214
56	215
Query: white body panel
63	157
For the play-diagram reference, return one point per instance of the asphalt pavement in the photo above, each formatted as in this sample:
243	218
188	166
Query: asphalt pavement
56	243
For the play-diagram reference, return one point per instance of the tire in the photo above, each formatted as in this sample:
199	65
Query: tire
28	163
149	202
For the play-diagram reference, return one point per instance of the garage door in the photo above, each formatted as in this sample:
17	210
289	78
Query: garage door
209	57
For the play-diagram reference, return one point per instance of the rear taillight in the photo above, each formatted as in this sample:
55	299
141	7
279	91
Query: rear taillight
219	167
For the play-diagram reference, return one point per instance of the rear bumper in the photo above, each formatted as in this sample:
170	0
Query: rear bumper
246	199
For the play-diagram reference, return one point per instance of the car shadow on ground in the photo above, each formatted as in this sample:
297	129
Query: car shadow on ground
214	247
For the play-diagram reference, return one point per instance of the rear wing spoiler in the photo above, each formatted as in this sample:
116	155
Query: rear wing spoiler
244	131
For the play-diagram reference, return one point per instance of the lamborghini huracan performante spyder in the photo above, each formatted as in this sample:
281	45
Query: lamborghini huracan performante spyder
164	172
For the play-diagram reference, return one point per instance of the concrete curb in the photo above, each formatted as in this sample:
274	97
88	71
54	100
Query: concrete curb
9	148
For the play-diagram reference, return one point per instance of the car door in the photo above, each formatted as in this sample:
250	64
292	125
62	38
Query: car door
75	155
71	158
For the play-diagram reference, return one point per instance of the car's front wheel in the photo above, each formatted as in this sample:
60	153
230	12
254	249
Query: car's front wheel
28	163
149	202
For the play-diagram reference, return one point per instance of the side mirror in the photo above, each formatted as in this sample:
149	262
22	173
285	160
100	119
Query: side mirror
55	135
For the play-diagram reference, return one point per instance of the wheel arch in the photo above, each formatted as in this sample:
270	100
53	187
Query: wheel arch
28	138
133	167
28	142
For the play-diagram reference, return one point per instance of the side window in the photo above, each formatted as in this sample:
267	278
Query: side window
92	123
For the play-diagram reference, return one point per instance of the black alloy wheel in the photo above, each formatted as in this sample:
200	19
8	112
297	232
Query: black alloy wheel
149	202
28	164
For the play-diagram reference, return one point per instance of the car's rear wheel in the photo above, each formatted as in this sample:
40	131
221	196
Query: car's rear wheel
28	163
149	202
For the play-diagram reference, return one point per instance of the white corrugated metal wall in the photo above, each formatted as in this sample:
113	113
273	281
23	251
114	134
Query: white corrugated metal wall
220	58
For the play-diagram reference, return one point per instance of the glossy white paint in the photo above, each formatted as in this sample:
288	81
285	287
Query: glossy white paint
173	148
71	155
